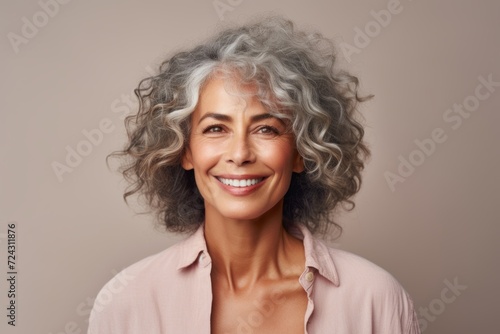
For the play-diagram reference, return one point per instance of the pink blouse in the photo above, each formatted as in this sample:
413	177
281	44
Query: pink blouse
171	292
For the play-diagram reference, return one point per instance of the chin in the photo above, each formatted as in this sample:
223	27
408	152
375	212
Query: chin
244	211
242	215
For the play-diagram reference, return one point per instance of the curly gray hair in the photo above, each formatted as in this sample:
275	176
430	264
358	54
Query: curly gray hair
294	71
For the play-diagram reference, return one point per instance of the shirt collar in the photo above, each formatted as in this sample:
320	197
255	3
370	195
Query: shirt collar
191	247
317	254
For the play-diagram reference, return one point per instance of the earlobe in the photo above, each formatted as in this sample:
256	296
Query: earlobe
186	160
298	165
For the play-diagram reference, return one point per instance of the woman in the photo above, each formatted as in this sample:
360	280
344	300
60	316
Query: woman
249	142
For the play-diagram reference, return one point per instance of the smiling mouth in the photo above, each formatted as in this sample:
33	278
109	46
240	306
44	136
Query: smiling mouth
240	183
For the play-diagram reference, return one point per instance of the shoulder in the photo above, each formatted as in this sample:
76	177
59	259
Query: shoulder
141	273
346	269
145	271
147	283
355	270
372	292
361	291
163	267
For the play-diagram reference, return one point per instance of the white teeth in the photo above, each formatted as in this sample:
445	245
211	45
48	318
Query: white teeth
239	183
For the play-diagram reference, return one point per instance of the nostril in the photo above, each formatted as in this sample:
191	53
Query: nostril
240	153
239	162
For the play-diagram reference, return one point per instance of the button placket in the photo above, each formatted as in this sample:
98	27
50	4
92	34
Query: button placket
307	278
307	282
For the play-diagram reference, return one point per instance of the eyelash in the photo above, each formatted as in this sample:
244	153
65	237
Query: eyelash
272	128
213	126
209	129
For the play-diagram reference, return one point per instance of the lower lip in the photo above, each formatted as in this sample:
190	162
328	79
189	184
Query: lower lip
241	191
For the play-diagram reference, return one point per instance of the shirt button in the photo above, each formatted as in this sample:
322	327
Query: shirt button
310	276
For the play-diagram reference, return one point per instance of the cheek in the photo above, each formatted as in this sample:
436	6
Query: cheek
280	155
203	155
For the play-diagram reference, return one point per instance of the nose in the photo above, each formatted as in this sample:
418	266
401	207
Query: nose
239	150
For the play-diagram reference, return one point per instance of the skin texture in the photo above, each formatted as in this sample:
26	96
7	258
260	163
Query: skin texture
255	262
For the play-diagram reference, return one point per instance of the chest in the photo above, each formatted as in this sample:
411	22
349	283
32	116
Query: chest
278	308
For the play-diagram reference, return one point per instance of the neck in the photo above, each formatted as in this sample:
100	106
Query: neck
245	252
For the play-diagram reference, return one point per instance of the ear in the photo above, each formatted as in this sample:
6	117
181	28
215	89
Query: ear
298	163
187	161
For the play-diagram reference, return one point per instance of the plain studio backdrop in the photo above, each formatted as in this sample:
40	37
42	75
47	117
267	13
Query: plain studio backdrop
428	208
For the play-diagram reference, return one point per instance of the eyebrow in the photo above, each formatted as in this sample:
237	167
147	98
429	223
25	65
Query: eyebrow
227	118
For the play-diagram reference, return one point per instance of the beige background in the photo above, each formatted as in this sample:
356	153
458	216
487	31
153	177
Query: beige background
77	71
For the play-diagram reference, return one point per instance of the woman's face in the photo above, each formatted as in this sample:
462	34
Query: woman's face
242	156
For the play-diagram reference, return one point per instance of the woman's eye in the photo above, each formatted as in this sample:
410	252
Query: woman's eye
268	130
213	129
